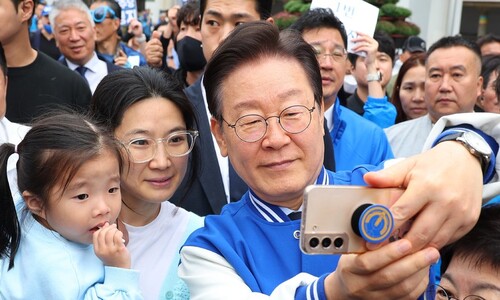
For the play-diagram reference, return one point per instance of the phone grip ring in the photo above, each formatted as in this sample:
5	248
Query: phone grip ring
373	222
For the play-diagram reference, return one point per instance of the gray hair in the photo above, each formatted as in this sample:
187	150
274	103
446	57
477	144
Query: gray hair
64	5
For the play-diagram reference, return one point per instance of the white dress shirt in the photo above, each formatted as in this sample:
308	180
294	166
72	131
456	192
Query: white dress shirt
96	70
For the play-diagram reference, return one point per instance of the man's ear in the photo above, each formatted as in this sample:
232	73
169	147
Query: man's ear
116	23
25	10
219	136
34	204
479	86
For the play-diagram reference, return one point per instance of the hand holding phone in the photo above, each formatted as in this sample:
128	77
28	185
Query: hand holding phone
342	219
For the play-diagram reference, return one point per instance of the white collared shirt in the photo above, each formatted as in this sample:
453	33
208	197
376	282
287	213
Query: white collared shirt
96	70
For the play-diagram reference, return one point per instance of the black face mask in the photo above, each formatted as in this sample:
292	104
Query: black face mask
190	54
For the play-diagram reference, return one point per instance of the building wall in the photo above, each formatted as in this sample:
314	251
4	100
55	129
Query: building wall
160	5
435	18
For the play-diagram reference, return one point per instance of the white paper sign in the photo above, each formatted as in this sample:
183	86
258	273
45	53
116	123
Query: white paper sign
357	16
129	11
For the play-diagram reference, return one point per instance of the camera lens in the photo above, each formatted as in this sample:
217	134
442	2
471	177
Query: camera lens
326	242
314	242
338	243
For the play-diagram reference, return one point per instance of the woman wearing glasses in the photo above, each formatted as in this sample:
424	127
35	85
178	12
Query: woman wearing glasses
150	115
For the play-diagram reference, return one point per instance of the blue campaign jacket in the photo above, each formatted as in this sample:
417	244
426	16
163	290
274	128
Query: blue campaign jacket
356	140
261	243
256	247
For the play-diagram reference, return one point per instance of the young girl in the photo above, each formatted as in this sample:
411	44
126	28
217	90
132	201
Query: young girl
68	173
148	112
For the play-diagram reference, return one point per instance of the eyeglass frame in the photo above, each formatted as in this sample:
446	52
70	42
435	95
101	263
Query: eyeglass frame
107	10
233	126
322	56
448	297
193	133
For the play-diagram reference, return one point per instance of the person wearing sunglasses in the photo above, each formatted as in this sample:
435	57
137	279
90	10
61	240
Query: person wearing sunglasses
106	15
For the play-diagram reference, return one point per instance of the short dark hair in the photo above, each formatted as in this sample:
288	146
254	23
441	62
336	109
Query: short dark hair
189	13
455	41
119	90
488	38
249	42
263	8
385	45
50	154
481	245
320	18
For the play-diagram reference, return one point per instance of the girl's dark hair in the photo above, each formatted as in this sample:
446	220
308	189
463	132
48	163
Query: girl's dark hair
121	89
10	231
417	59
50	154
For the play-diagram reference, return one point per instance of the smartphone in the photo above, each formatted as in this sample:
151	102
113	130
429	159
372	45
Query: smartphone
342	219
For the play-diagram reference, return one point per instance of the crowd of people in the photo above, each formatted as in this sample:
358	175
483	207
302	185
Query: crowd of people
172	164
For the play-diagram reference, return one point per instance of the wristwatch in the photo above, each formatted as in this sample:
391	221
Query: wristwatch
476	145
374	76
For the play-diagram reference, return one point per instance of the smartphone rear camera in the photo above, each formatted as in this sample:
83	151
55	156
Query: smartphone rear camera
338	243
314	242
326	242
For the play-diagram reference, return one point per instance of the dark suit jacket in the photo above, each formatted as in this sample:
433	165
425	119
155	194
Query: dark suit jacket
206	194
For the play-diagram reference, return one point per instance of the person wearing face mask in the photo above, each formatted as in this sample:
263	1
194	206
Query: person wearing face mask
188	44
43	39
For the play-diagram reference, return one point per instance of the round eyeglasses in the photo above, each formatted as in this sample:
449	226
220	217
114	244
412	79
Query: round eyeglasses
339	54
101	13
176	144
442	294
293	119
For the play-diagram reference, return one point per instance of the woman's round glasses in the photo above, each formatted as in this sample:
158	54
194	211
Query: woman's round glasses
101	13
176	144
293	119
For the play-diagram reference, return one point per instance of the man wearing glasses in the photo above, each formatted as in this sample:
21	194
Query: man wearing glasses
217	184
264	93
470	265
355	140
107	18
